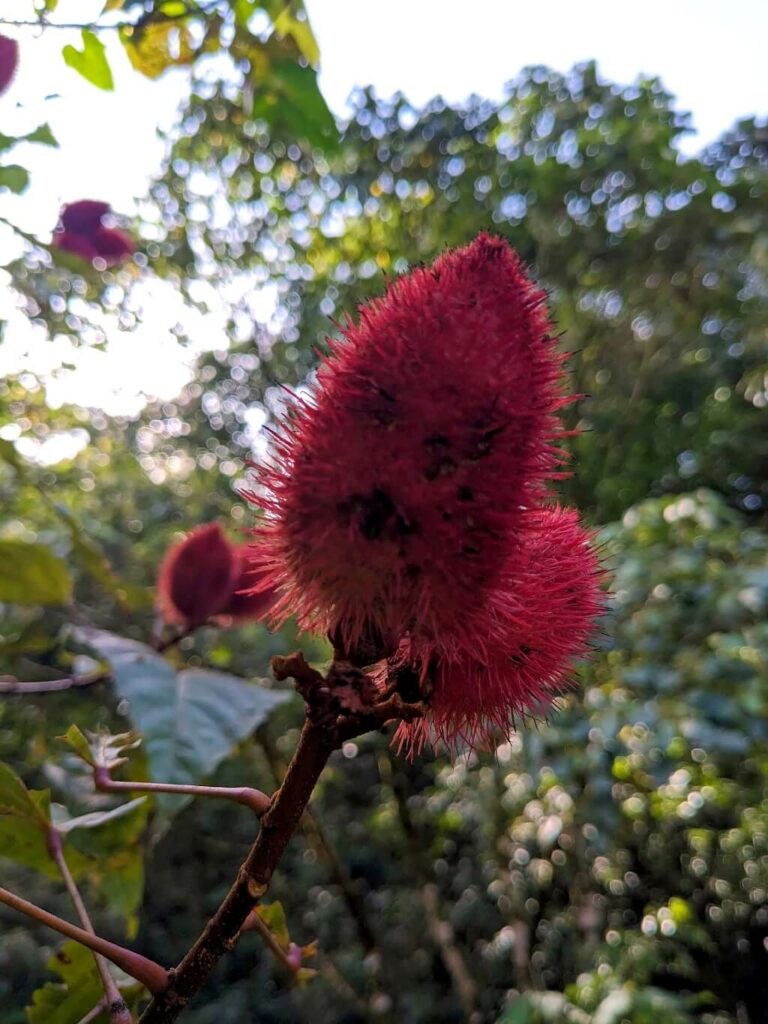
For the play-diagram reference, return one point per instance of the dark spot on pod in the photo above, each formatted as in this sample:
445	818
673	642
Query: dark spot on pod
375	516
436	441
378	510
384	417
370	513
405	528
465	493
440	467
470	549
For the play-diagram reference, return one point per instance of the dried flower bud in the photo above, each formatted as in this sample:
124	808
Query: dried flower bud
398	486
9	61
196	577
536	623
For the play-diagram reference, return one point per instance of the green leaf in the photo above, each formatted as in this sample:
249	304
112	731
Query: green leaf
24	842
519	1011
76	739
101	749
158	46
18	801
91	62
105	849
190	720
292	104
31	574
273	916
85	549
43	135
95	819
103	846
78	990
14	178
8	141
288	24
24	822
10	455
304	975
90	555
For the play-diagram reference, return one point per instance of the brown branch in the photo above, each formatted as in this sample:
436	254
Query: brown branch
324	848
257	801
150	974
323	733
277	826
116	1005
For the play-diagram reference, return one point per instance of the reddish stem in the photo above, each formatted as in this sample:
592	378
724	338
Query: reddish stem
257	801
14	686
150	974
118	1011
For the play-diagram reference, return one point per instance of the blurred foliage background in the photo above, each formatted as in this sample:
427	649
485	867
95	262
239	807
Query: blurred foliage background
610	866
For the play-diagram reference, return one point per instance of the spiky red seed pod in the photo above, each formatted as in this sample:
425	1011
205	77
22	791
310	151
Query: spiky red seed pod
537	623
79	245
113	245
81	232
397	487
9	61
84	217
246	603
196	577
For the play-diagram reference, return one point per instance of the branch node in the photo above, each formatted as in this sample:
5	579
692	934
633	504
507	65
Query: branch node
256	889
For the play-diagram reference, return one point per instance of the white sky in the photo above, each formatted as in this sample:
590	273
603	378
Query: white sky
711	54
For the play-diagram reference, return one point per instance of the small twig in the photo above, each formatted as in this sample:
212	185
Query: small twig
97	1011
255	923
13	687
150	974
161	645
257	801
152	17
118	1010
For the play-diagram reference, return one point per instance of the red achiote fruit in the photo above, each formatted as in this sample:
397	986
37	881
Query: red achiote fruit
535	623
9	61
397	487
